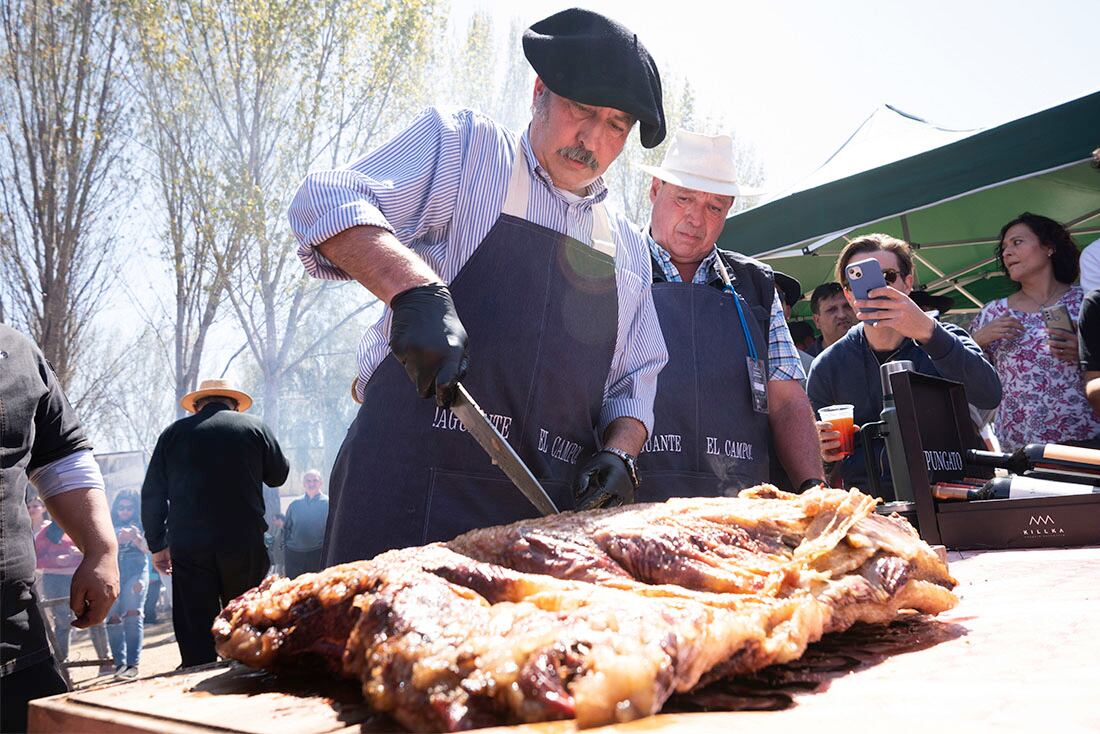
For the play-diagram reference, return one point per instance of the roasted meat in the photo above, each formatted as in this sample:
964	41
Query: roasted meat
598	616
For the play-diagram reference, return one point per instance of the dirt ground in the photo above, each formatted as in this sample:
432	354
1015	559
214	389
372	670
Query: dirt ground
159	655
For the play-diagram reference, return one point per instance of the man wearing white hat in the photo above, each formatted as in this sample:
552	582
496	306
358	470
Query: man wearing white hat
203	509
734	378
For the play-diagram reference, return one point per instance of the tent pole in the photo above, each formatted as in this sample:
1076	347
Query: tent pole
905	231
967	281
937	271
1083	218
969	268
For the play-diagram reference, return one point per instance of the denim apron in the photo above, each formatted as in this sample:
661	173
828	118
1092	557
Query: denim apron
541	312
707	439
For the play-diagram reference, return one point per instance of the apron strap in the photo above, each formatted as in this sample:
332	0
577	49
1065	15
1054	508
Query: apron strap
601	231
519	190
519	186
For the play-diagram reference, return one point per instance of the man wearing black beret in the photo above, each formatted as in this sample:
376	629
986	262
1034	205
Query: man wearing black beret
502	267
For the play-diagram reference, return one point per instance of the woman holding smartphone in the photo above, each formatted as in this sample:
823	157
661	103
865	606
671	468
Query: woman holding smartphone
125	623
1043	400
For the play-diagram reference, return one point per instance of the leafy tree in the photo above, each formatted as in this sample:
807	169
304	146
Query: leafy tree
282	86
64	124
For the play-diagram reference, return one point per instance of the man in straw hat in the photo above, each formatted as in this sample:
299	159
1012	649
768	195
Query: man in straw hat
495	251
732	390
203	510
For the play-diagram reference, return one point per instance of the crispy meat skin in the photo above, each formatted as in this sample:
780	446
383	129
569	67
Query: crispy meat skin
598	616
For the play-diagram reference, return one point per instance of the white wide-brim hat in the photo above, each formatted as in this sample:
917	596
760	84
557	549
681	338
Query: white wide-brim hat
216	387
701	162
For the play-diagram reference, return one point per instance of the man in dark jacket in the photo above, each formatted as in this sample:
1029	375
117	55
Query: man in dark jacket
203	509
848	371
304	532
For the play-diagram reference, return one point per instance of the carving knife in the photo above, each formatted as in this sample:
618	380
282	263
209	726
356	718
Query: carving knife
503	455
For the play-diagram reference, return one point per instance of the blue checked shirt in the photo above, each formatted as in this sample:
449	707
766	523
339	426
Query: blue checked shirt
784	362
439	186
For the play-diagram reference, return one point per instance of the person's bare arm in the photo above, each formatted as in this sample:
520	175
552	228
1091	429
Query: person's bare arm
1092	390
378	260
626	434
794	433
84	516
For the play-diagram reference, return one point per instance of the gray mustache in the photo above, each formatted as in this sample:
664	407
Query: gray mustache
580	154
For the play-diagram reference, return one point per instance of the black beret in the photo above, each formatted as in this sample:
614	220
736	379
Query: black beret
926	301
585	57
789	287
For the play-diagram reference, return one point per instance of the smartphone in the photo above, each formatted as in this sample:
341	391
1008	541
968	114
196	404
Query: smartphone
1057	317
863	277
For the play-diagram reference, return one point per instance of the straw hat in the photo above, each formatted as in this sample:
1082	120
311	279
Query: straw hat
216	387
700	162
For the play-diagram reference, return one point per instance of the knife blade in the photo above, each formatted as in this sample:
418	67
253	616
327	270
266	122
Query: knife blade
503	455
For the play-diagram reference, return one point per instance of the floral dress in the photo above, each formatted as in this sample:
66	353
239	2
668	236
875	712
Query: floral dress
1044	398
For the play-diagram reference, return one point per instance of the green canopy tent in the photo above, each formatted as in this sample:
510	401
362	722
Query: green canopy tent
949	203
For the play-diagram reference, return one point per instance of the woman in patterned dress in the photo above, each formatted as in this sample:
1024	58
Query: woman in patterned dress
1044	401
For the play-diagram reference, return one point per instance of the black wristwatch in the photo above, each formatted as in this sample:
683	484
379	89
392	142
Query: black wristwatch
810	484
631	465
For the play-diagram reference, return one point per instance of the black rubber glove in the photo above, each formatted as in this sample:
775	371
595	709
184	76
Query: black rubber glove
427	337
603	481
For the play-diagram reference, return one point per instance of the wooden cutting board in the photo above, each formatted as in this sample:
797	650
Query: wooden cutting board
1021	652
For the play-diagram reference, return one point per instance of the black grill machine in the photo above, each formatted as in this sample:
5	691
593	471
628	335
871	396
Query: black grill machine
941	473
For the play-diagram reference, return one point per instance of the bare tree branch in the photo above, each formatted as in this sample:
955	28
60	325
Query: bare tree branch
66	125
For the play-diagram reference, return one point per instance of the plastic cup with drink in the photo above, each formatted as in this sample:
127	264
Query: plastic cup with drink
841	418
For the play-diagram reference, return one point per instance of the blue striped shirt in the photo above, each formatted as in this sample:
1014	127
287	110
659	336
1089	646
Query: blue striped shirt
784	361
439	186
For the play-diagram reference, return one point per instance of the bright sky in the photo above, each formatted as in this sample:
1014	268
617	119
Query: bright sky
797	77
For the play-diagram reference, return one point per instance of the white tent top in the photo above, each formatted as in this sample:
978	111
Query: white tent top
887	135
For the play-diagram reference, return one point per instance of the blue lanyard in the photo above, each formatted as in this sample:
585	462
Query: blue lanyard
728	288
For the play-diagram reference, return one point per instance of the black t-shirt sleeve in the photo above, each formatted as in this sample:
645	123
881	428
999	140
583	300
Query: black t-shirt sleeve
57	429
1088	332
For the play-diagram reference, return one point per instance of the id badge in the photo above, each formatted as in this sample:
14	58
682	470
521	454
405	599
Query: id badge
758	384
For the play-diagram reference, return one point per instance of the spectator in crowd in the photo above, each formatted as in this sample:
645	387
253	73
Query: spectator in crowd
44	443
1090	256
933	305
203	510
789	292
152	598
803	335
832	313
58	558
1039	367
276	549
1088	330
304	532
848	371
125	623
36	508
273	504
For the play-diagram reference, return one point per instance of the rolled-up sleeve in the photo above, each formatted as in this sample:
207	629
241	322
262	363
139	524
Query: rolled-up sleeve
640	354
408	186
77	470
784	363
